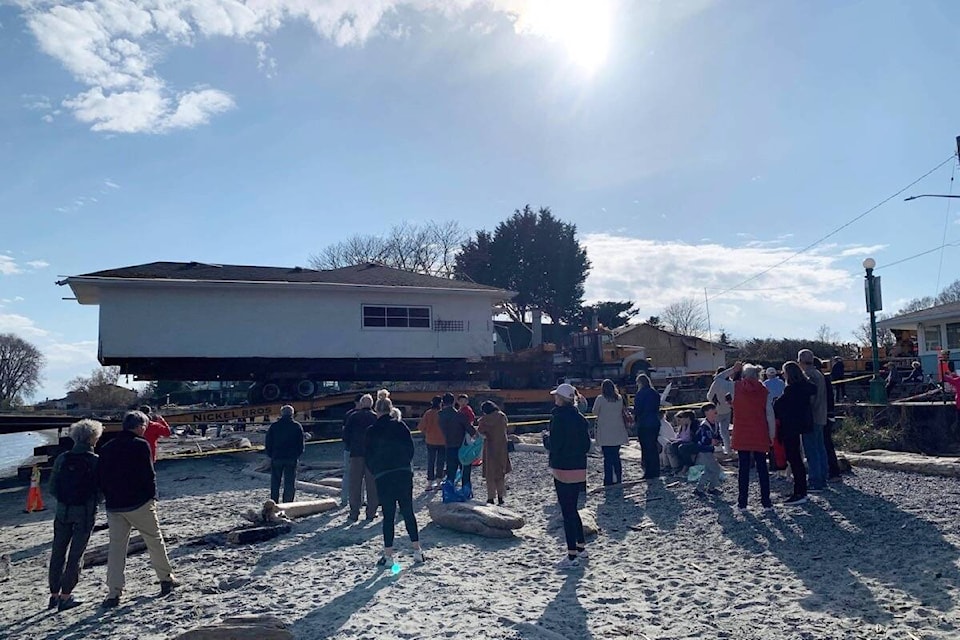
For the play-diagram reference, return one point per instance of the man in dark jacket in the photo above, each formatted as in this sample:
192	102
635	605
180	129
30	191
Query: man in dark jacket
455	426
355	439
129	485
837	373
284	446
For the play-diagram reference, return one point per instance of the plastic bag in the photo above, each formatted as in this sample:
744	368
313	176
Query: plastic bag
693	475
450	493
471	449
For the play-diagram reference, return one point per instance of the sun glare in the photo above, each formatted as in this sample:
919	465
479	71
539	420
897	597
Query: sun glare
582	27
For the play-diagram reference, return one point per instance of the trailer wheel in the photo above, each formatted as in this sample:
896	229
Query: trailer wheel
270	392
306	388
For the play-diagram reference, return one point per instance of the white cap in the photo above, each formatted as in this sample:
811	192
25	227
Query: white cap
565	391
771	371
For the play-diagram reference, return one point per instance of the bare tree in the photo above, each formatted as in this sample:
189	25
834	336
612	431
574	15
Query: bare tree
686	317
20	366
862	335
100	390
826	334
428	248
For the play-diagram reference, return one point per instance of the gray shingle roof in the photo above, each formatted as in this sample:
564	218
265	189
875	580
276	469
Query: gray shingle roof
369	274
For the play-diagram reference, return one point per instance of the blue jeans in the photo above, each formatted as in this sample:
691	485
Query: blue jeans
816	450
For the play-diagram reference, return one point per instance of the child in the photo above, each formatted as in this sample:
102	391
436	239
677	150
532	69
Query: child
707	439
666	437
683	447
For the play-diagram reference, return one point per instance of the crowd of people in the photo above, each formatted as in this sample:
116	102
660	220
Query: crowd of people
783	420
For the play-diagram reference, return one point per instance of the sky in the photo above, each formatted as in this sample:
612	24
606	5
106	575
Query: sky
694	143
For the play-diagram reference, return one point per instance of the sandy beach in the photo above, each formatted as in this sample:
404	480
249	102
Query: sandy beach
874	557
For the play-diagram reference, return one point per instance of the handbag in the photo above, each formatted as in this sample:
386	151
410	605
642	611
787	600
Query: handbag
471	449
627	417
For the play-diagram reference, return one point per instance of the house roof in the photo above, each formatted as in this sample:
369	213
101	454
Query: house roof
908	320
369	274
688	341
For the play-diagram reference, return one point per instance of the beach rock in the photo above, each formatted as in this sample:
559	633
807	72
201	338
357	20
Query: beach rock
911	462
590	526
242	628
481	519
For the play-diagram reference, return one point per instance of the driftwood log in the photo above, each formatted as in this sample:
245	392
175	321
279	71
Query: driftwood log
310	487
241	628
483	520
98	555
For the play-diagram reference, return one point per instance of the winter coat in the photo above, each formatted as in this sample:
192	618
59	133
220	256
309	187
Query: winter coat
611	432
719	388
753	425
820	400
496	460
646	408
430	428
125	472
793	409
284	441
388	447
88	510
355	431
157	428
569	438
455	425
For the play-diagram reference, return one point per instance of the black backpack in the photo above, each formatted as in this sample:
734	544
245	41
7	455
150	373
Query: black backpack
77	479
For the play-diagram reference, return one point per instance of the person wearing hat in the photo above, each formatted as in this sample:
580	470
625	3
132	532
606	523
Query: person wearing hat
646	416
774	384
569	443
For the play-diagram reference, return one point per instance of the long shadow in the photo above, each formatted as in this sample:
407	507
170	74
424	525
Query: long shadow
564	615
322	540
326	620
881	543
661	504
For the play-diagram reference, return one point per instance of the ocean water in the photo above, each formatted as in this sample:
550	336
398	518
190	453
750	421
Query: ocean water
15	448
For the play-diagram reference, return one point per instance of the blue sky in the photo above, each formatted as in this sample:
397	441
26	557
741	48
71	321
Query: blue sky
693	143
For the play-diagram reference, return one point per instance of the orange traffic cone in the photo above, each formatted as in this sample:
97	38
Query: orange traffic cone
34	499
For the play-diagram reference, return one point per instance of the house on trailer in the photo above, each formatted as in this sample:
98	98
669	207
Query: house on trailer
288	328
925	333
672	353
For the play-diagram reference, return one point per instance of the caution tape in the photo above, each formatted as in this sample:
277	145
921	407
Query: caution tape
858	378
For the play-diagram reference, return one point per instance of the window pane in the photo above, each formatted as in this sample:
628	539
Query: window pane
374	322
420	323
953	336
374	311
931	338
396	312
396	322
419	312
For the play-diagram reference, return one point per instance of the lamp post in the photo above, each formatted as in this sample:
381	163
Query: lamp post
878	392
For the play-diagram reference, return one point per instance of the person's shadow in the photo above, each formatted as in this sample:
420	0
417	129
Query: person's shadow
838	556
564	616
326	620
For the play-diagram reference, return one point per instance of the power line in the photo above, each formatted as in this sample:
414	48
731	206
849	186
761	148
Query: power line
835	231
919	255
946	222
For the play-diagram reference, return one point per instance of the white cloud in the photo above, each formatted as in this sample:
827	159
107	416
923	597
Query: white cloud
8	266
110	183
862	251
47	118
21	325
655	273
113	47
38	264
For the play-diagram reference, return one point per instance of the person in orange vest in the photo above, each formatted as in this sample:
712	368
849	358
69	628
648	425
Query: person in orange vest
34	499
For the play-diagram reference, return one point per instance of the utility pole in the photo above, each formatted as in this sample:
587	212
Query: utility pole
878	392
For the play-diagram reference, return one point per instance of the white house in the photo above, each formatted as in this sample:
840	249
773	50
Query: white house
933	329
171	320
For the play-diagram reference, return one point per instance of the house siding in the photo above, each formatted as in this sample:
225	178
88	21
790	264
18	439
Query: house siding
277	322
667	350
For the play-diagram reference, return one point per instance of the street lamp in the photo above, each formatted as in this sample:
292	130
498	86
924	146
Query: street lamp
878	392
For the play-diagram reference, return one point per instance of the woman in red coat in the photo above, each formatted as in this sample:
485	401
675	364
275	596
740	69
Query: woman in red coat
753	430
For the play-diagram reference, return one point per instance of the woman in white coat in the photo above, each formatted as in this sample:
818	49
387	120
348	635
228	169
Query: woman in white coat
611	431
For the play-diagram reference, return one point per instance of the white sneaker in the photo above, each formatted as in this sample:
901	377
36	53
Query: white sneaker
418	556
568	564
583	554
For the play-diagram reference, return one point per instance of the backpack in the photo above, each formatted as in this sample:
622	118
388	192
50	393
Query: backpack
77	479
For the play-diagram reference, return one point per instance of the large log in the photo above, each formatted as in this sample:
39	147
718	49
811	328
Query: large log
300	484
241	628
98	555
910	462
307	507
482	520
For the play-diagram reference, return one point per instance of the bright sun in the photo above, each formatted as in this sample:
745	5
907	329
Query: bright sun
581	26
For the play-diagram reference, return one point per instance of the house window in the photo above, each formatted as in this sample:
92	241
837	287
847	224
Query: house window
931	338
396	317
953	335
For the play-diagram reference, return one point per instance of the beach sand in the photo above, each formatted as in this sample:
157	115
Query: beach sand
874	557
